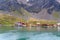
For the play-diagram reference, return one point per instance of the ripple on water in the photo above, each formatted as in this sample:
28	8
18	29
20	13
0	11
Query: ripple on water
28	36
44	36
8	36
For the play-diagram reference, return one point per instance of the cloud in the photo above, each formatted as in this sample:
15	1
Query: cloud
58	1
27	0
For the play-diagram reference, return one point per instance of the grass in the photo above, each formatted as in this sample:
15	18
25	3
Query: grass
56	14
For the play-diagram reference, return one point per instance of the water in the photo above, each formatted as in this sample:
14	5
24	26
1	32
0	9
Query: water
25	35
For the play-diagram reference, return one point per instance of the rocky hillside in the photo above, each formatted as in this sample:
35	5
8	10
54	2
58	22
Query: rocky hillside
40	9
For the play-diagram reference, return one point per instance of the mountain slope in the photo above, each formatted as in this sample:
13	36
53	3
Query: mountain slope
33	6
40	9
38	5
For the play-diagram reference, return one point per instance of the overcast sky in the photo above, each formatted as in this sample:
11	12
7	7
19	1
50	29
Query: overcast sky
58	1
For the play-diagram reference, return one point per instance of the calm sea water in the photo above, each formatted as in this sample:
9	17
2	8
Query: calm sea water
25	35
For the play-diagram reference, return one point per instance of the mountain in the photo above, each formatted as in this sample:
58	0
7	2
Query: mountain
40	9
9	5
33	6
38	5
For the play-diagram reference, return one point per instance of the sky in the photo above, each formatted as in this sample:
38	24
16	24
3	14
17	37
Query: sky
27	0
58	1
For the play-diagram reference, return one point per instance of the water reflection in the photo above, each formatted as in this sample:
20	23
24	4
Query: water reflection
37	28
33	33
